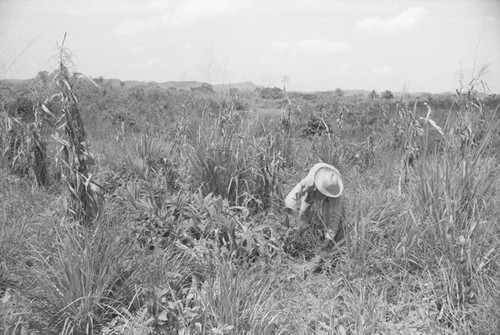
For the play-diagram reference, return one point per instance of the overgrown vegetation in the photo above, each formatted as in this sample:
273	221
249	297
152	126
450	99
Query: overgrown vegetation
177	225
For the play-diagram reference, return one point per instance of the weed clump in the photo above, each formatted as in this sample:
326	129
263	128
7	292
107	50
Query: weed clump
26	147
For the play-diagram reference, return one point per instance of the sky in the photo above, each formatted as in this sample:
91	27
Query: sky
405	45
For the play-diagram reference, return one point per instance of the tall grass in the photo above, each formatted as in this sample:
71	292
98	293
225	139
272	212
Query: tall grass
235	302
454	189
83	277
235	165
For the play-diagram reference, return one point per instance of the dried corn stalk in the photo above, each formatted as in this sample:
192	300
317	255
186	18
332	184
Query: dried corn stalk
25	147
86	198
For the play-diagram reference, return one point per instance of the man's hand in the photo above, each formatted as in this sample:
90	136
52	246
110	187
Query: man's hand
330	234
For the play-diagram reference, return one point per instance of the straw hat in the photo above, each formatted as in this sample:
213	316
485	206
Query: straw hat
328	181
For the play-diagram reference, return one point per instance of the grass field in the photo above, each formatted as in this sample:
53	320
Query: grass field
161	212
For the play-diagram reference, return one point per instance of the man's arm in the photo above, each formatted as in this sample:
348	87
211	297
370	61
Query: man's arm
332	208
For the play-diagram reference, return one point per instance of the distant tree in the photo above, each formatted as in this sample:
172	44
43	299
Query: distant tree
153	84
153	93
271	93
387	95
373	95
138	94
233	92
207	87
99	80
41	82
339	93
285	81
43	77
308	96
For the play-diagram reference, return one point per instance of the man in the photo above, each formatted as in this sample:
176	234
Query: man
322	183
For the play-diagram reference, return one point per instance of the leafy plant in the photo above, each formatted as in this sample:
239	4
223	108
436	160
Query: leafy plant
234	302
84	277
235	166
26	149
454	188
408	135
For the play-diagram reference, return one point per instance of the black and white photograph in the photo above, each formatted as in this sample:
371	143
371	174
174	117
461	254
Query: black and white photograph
322	167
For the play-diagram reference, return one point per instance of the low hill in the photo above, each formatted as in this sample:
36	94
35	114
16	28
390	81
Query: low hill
185	85
243	86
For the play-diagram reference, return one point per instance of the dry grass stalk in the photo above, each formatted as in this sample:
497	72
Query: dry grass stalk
86	199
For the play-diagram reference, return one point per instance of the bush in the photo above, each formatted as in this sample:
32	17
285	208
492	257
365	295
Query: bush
233	165
315	127
271	93
26	152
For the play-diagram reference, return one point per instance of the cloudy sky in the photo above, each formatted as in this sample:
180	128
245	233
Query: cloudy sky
318	44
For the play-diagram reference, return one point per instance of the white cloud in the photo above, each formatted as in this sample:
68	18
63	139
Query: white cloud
193	11
188	12
407	20
321	46
382	70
